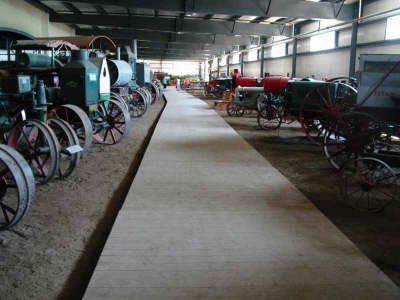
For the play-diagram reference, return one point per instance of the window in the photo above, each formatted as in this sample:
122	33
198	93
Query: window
278	50
252	54
223	61
323	41
235	58
393	28
215	63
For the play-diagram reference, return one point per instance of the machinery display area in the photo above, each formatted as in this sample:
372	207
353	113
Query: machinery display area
199	149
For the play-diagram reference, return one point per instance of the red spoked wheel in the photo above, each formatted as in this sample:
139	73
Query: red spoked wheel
322	106
112	124
38	144
137	104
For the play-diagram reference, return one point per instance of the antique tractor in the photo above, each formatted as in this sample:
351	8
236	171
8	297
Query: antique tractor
217	87
79	91
49	145
246	94
315	104
144	79
123	83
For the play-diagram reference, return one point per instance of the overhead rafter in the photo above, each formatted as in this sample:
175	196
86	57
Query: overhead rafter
259	8
174	24
177	51
72	8
142	35
100	9
160	45
170	57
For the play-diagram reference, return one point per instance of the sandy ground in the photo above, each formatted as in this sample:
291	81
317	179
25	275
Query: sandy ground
52	253
304	164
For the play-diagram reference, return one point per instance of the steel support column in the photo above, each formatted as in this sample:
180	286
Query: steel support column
241	64
228	61
353	49
353	46
294	58
262	62
218	67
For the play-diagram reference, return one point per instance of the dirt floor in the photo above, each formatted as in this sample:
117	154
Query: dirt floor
304	164
51	254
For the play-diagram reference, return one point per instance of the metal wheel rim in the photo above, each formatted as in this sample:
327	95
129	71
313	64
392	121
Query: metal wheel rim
118	123
66	137
26	142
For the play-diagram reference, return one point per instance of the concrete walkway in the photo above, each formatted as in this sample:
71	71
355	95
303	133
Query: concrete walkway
207	217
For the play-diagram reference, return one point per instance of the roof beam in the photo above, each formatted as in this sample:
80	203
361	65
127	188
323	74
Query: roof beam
176	51
171	57
159	45
142	35
200	26
259	8
72	8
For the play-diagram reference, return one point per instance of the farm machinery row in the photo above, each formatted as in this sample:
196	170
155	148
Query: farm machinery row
355	120
56	99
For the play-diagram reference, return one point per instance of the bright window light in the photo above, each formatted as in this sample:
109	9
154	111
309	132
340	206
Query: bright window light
278	50
215	62
222	62
235	58
253	55
323	41
393	28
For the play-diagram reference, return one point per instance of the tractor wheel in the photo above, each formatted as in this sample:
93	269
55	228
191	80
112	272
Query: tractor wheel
234	110
79	121
38	145
17	187
70	151
269	118
113	123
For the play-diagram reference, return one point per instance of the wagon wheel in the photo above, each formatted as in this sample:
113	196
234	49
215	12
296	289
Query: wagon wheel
137	104
322	106
117	97
79	121
38	145
17	187
234	110
352	136
70	152
269	118
368	184
113	123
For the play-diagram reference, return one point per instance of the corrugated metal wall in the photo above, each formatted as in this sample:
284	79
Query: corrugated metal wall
331	63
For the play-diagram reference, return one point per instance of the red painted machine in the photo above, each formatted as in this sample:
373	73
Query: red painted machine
238	80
